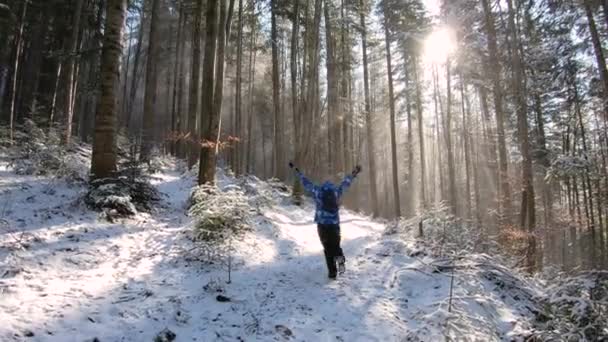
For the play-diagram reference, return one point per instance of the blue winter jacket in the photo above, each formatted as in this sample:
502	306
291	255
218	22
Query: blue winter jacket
322	216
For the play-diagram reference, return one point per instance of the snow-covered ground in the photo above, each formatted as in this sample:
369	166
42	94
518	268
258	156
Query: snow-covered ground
79	278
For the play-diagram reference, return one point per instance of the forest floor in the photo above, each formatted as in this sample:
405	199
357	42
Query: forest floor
67	275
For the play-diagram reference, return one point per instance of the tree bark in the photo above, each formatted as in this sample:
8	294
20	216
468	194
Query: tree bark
528	210
335	113
368	115
495	70
346	105
237	96
71	66
192	139
18	50
391	102
125	86
55	91
295	108
175	115
182	115
448	141
410	145
438	114
310	87
103	163
218	94
32	66
136	60
250	160
277	130
423	201
465	138
149	117
207	150
588	199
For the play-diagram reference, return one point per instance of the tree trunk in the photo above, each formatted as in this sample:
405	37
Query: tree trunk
295	108
192	140
391	102
448	141
125	86
346	105
136	59
335	113
495	70
410	146
218	94
250	160
308	56
314	95
423	202
71	66
207	150
175	115
32	66
54	97
182	115
527	214
237	96
465	138
277	130
310	103
587	181
547	193
368	115
18	50
103	162
147	133
438	114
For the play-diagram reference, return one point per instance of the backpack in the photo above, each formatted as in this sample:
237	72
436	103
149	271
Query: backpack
329	200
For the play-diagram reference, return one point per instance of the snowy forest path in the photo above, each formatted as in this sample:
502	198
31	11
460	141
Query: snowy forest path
352	308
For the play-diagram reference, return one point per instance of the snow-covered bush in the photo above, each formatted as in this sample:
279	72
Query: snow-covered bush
160	162
121	196
264	193
578	309
219	213
438	228
35	151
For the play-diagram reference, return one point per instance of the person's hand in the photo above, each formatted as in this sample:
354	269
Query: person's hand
290	165
356	170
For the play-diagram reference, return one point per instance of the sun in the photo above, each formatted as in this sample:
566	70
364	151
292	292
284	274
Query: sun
439	45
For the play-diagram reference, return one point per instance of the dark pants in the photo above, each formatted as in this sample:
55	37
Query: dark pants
330	238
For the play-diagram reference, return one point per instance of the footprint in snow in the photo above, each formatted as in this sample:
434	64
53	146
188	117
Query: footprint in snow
284	331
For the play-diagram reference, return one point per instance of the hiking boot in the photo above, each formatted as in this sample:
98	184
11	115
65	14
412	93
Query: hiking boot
341	264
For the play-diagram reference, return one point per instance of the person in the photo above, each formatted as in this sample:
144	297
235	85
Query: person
327	217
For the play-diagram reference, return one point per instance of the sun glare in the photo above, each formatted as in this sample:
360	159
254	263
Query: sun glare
438	45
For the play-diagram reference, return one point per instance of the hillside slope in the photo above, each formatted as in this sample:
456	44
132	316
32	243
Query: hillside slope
73	277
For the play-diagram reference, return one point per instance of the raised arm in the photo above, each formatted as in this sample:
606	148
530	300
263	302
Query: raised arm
348	180
308	185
